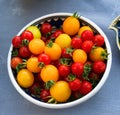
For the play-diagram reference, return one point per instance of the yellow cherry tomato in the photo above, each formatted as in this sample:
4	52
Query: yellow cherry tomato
60	91
79	55
36	46
71	25
35	31
82	29
33	65
53	50
49	72
25	78
63	40
98	54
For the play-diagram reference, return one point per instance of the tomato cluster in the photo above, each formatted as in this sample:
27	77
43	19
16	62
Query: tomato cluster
58	65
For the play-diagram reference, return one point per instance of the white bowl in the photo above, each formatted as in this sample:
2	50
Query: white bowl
78	101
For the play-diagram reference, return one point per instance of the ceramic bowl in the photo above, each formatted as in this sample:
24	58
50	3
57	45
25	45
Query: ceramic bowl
57	18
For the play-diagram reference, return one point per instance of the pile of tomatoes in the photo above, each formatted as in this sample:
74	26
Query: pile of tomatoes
57	65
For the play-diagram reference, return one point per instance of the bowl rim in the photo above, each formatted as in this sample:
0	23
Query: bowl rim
68	104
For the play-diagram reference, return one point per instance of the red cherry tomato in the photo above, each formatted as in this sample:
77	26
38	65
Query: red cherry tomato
85	88
44	95
57	33
15	61
16	41
99	67
98	40
87	35
27	35
75	84
24	52
67	53
44	58
76	42
46	28
64	70
77	68
87	46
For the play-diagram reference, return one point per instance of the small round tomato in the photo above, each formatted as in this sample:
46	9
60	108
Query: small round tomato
87	46
98	40
75	84
77	68
15	61
24	52
44	58
60	91
57	33
87	35
16	41
44	95
64	70
67	53
49	72
46	28
85	88
76	42
27	35
99	67
25	78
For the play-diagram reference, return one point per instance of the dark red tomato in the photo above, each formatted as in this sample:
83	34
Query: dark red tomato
44	38
57	33
64	70
35	89
87	46
24	52
94	76
44	58
27	35
15	61
85	88
67	53
46	28
76	94
98	40
76	42
44	95
75	84
77	68
16	41
99	67
87	35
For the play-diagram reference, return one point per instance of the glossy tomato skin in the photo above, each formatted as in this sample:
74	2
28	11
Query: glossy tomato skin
98	40
44	95
77	68
99	67
45	28
87	35
16	41
27	35
15	61
44	58
57	33
64	70
75	84
85	88
76	42
87	46
24	52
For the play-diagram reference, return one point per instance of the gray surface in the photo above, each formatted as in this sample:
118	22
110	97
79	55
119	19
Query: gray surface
14	14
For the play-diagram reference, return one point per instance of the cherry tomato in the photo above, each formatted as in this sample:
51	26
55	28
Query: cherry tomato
27	35
87	46
15	61
85	88
76	42
57	33
45	28
77	68
98	40
64	70
75	84
24	52
87	35
44	58
16	41
99	67
44	95
67	53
